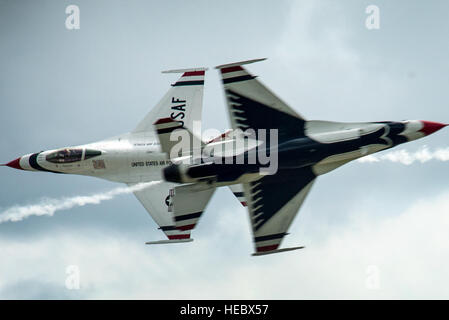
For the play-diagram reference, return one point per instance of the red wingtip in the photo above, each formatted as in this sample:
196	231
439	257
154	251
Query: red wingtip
14	164
193	73
267	248
231	69
187	227
178	236
430	127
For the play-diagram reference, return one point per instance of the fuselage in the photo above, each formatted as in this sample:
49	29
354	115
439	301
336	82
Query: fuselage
137	157
128	158
324	147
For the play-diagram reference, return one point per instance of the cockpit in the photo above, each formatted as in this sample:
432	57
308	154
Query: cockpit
71	155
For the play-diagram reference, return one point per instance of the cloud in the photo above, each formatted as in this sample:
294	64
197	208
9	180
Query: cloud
404	157
50	206
34	289
326	66
410	250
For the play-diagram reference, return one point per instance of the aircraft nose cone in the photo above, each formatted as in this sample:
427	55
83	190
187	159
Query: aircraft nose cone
15	164
430	127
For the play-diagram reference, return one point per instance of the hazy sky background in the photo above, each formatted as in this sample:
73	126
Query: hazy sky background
61	87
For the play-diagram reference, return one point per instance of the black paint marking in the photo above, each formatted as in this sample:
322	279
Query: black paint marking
35	165
188	216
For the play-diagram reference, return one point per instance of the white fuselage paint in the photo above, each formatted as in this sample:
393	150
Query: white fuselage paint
128	158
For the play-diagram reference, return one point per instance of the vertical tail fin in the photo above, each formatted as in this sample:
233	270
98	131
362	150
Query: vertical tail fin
183	102
168	139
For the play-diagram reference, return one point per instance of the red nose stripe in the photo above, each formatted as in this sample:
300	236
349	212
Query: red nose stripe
15	164
430	127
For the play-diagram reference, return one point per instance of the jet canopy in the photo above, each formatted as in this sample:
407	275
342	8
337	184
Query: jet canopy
71	155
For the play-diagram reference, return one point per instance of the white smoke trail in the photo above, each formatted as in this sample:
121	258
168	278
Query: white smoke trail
48	207
407	158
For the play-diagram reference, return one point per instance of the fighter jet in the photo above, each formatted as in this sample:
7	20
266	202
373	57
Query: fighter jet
302	149
134	157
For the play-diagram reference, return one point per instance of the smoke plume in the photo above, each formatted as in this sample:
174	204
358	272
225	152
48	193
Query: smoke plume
48	207
404	157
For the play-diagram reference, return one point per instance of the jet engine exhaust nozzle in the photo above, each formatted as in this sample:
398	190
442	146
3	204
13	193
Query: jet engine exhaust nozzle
172	174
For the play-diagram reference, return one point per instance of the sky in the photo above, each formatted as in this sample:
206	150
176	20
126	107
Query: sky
372	230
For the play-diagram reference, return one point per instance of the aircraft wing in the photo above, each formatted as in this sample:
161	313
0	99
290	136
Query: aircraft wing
273	202
189	203
157	201
237	190
252	105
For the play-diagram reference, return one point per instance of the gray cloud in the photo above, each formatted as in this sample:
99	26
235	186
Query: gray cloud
408	250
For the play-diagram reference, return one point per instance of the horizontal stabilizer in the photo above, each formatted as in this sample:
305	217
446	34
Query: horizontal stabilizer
169	241
276	251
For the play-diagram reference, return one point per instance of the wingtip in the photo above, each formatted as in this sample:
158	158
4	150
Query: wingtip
168	241
263	253
239	63
185	70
